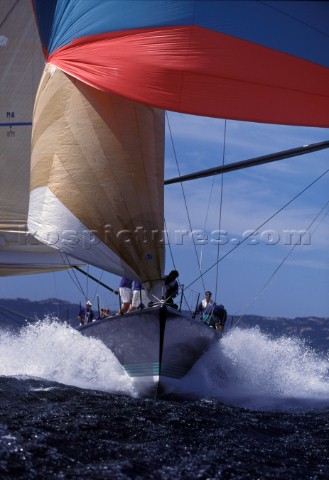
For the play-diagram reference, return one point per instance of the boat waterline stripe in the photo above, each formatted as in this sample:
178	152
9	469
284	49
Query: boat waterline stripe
153	369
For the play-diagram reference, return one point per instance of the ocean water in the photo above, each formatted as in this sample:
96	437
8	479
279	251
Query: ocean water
254	407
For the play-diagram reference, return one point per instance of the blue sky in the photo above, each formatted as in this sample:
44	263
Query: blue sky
246	280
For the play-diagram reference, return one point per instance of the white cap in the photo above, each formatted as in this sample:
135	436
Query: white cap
89	303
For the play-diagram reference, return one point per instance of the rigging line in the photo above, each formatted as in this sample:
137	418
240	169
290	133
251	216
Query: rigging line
209	201
220	211
206	220
8	317
13	312
263	288
169	244
56	293
95	279
71	271
195	294
9	12
211	191
184	197
98	284
293	17
173	263
187	305
324	216
262	224
87	282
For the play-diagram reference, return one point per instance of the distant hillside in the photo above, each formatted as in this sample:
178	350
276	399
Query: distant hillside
314	330
15	312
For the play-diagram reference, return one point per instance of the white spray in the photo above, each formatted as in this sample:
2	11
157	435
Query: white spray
54	351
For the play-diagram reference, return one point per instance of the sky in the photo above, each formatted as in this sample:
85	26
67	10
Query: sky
266	274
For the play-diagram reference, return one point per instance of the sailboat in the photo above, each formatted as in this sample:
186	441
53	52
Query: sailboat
96	178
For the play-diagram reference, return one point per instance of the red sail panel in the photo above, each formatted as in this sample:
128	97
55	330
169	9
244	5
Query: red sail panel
199	71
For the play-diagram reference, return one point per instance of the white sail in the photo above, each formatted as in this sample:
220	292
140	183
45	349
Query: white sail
22	62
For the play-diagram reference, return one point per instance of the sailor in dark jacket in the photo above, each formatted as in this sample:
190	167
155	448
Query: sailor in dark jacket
171	286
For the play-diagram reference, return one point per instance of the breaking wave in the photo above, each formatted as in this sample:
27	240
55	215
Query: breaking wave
55	351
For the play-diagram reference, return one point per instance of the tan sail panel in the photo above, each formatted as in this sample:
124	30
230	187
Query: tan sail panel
97	162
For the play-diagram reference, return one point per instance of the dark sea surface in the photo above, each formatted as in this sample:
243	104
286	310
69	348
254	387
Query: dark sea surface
255	407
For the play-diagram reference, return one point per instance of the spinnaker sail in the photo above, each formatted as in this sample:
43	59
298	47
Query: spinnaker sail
246	60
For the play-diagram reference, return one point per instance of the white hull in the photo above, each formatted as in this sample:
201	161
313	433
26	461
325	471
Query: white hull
156	346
